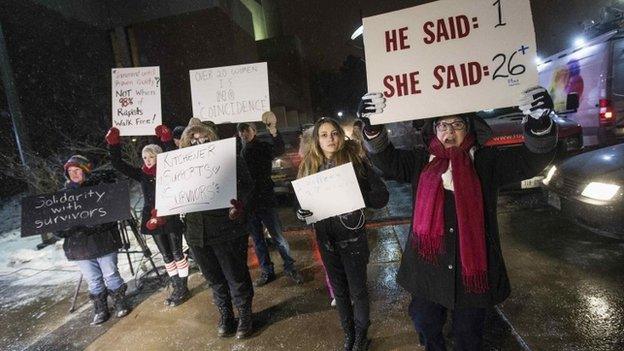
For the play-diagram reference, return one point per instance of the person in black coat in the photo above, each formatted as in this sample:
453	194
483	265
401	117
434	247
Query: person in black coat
94	249
218	240
166	231
259	156
342	239
453	260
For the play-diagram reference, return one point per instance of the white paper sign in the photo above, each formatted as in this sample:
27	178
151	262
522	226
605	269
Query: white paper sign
230	94
329	193
196	178
449	57
136	100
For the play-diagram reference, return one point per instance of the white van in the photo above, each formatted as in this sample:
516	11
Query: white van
587	86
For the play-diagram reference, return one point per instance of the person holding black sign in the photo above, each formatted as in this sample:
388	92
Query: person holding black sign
94	249
218	240
452	259
342	239
166	231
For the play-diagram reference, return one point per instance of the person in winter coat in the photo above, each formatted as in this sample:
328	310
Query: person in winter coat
166	231
453	260
218	240
342	239
259	156
94	249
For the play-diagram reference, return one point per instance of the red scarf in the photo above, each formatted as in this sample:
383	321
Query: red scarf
151	171
428	227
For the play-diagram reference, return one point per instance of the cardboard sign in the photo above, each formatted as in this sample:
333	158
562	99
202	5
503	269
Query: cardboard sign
329	193
196	178
230	94
450	57
136	100
88	206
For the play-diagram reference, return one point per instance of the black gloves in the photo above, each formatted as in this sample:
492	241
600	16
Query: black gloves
371	103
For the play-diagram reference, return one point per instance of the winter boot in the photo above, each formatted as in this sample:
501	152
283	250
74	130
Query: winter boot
173	285
100	308
181	292
120	301
361	340
349	335
245	327
227	322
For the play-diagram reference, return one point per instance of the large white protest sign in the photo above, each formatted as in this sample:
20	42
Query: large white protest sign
230	94
196	178
136	100
449	57
329	193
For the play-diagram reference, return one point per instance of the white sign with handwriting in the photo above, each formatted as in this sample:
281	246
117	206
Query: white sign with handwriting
329	193
230	94
196	178
136	100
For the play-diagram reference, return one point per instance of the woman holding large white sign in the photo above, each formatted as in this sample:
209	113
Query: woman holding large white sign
453	260
218	239
342	239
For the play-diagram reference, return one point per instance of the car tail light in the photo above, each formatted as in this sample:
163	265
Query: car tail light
607	115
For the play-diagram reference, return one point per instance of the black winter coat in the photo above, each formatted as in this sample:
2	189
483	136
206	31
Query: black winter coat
148	187
334	230
259	157
87	243
213	227
442	283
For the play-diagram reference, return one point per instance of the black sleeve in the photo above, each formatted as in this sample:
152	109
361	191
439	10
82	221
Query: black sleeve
373	189
244	183
395	164
278	145
121	165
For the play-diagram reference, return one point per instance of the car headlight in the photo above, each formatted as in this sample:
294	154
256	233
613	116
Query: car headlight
600	191
549	175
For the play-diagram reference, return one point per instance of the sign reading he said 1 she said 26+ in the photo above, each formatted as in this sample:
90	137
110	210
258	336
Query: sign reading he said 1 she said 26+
450	57
88	206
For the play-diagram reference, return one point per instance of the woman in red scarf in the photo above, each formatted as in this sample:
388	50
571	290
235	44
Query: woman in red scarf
453	260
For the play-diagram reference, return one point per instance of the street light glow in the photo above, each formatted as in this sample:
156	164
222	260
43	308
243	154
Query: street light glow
538	60
579	41
357	32
340	113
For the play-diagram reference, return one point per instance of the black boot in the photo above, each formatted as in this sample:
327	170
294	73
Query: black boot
361	340
227	322
100	308
349	335
119	300
173	285
245	327
180	292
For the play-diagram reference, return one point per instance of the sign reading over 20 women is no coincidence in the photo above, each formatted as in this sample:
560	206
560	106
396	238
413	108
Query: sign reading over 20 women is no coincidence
230	94
136	100
449	57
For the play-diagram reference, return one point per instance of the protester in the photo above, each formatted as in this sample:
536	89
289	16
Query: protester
94	249
218	240
259	155
453	260
342	239
166	231
177	135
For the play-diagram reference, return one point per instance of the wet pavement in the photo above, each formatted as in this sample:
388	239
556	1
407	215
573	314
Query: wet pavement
567	294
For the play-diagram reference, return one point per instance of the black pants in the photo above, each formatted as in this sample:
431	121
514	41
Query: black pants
170	246
224	266
345	263
429	318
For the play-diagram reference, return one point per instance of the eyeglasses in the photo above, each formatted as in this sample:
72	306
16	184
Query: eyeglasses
197	141
456	125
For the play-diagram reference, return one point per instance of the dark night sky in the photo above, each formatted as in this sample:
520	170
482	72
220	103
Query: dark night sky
324	26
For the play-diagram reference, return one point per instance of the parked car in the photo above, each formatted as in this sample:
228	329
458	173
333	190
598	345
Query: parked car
589	188
507	132
285	166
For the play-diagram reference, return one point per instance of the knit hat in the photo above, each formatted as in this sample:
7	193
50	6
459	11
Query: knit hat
177	132
80	162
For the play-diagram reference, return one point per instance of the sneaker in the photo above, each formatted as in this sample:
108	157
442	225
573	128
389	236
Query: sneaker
295	275
264	279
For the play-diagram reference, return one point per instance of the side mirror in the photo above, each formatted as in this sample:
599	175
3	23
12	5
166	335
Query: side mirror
572	102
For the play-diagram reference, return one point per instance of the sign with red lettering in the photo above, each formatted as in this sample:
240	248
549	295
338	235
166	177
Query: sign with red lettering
450	57
230	94
136	100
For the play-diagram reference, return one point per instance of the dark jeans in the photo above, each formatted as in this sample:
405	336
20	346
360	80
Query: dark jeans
345	263
429	318
224	266
270	219
170	246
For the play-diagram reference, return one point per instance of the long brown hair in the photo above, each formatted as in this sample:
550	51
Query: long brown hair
348	151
